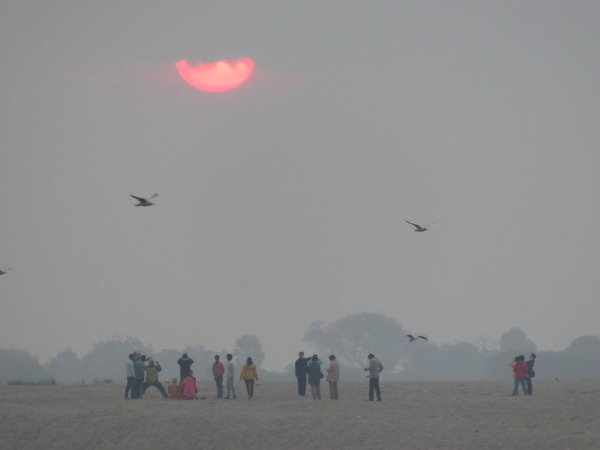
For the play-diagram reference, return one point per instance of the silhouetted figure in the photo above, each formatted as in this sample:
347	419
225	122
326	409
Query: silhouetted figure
530	373
130	376
300	370
520	370
230	375
333	377
314	377
139	369
249	375
152	378
375	367
218	371
185	365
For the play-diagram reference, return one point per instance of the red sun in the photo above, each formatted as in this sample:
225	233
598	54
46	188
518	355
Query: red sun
218	76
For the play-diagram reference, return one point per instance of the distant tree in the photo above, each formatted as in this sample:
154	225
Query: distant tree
354	337
17	364
248	345
588	345
515	340
65	367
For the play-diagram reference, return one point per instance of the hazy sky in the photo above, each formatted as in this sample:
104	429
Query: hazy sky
283	202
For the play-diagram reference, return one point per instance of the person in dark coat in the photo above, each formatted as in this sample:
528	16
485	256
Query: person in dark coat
530	373
185	365
314	377
300	369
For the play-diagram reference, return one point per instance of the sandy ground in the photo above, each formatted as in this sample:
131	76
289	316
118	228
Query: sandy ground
413	415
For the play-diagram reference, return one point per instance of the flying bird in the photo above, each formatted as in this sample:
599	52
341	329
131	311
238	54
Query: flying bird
3	272
412	338
143	201
418	227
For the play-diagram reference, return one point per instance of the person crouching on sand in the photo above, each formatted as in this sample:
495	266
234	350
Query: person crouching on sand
249	374
188	386
174	390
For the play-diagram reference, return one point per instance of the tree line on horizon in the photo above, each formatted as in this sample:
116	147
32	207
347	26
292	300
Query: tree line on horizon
351	339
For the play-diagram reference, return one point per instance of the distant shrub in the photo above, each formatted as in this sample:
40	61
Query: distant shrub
43	382
97	382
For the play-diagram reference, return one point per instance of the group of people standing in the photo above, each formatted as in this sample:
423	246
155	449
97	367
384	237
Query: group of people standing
310	369
523	373
141	376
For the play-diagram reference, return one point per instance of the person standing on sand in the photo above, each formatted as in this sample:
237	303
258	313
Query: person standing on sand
185	365
218	371
300	370
152	378
333	377
520	370
230	375
375	367
139	369
249	374
530	373
314	377
130	376
188	386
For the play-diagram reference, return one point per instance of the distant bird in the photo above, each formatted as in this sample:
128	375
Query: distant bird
3	272
412	338
418	227
143	201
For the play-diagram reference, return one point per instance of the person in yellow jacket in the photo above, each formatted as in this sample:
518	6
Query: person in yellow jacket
249	374
152	370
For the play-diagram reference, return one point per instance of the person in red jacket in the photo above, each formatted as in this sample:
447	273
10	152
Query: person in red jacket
520	374
218	370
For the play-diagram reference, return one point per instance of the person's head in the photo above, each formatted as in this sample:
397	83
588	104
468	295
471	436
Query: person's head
229	356
174	380
184	355
217	357
151	363
315	357
301	354
521	358
131	356
532	356
249	361
371	355
143	358
332	357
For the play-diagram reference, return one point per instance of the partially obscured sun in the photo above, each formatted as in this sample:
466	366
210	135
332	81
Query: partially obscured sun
218	76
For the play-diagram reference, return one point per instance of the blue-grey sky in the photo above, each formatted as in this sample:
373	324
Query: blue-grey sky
283	202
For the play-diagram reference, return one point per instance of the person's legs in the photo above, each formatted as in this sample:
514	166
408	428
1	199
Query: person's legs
335	390
515	387
523	382
331	383
371	388
160	387
219	383
251	388
145	386
302	385
313	391
377	390
129	387
318	389
529	385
